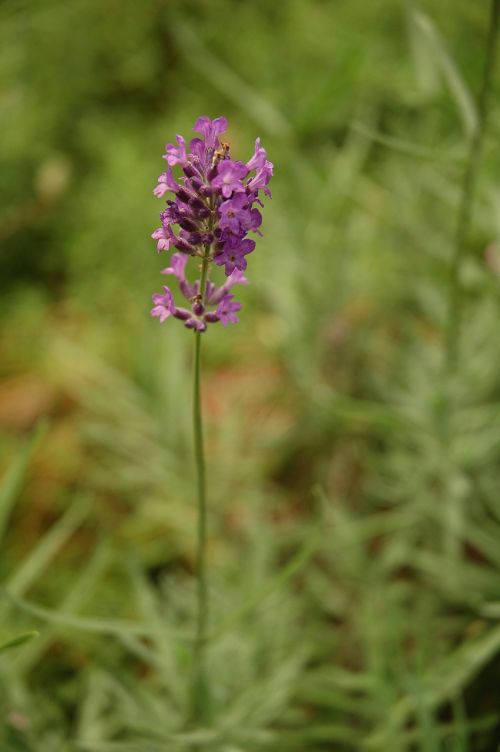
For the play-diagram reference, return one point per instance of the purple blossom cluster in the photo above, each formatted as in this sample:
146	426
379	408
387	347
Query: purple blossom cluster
212	210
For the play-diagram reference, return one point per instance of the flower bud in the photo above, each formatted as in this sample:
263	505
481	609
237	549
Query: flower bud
184	247
199	208
212	172
200	326
187	224
182	313
183	195
195	184
211	318
195	238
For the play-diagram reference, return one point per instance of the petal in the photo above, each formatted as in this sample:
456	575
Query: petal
220	125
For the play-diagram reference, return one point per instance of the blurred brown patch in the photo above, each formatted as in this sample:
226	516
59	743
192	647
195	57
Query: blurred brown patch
24	400
253	388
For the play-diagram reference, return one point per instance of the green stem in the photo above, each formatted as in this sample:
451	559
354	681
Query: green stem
199	682
468	192
200	686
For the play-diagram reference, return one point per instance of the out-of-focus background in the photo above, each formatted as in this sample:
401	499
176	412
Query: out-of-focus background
354	495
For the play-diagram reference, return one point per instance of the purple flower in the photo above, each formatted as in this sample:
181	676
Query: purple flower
232	255
201	313
162	187
166	183
210	129
235	278
229	177
226	310
175	155
163	304
215	294
211	209
233	213
177	268
165	238
259	158
236	216
262	178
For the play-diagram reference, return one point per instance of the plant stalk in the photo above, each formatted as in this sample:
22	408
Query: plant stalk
468	193
200	696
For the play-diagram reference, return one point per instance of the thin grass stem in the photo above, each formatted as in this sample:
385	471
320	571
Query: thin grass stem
467	197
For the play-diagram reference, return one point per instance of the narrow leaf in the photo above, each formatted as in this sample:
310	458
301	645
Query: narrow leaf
19	640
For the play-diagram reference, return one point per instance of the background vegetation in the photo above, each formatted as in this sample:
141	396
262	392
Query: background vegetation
354	492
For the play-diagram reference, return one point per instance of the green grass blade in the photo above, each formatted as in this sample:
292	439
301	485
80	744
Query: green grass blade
15	476
117	627
35	564
19	640
451	74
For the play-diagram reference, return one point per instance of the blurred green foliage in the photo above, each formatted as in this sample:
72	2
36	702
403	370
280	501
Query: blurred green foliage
355	515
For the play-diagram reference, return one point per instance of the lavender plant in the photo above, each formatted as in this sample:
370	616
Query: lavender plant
214	207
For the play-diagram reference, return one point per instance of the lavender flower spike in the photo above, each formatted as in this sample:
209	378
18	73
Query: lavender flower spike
213	207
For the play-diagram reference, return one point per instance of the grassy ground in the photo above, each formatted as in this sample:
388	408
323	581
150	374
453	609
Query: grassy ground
353	484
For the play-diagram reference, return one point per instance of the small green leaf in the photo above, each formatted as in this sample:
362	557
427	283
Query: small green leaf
19	640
